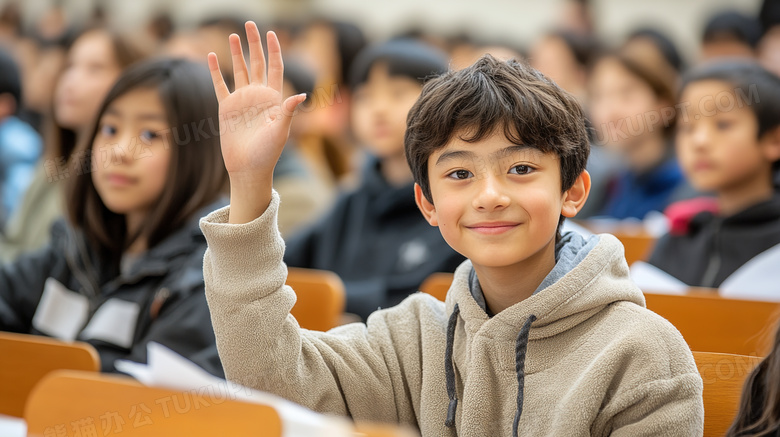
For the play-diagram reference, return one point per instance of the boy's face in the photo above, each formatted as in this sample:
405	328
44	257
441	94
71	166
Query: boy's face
717	138
379	109
497	203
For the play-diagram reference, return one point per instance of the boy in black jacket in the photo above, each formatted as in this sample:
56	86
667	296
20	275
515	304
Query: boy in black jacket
728	143
375	238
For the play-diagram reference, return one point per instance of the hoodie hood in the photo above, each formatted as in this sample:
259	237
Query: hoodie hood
599	279
589	275
569	251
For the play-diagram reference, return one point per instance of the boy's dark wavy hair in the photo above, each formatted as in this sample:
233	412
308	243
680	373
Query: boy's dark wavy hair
497	96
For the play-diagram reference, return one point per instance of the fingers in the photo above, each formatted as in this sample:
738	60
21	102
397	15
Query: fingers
275	64
240	74
288	108
256	55
220	87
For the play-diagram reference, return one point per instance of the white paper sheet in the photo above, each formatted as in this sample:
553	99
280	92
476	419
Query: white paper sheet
170	370
757	279
12	426
652	279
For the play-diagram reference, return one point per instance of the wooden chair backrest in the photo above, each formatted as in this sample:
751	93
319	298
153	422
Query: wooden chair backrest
723	376
321	298
712	323
25	359
437	285
79	403
638	247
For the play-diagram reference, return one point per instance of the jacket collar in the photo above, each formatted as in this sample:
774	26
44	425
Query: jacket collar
760	213
385	198
155	262
181	241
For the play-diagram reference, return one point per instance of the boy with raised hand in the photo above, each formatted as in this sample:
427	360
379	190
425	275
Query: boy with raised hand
540	334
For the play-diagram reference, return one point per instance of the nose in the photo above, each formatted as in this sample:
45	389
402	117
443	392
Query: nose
491	195
699	137
117	153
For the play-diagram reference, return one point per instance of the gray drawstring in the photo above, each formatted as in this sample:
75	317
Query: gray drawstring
521	346
449	368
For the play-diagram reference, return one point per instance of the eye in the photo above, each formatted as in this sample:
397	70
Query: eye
148	135
521	169
107	130
460	174
723	124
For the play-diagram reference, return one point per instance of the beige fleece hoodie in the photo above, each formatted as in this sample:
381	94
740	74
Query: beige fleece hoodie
594	362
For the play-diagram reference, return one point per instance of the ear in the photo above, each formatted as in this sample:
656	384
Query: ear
574	198
770	145
426	208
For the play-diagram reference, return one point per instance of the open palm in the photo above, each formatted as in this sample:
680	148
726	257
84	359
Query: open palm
255	120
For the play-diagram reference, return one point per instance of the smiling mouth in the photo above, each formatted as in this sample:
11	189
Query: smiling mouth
493	228
703	165
119	180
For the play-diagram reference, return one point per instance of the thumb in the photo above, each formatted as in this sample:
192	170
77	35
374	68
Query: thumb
289	106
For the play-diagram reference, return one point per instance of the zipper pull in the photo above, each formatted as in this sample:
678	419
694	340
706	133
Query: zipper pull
159	299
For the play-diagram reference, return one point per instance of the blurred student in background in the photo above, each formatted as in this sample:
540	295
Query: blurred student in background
304	193
94	61
128	258
769	45
20	144
728	143
632	110
329	48
566	57
375	237
657	47
730	34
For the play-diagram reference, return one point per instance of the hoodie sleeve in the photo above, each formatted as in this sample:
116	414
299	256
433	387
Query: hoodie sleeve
351	370
664	407
660	392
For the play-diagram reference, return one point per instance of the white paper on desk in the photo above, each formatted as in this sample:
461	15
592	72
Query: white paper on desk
12	426
757	279
650	278
167	369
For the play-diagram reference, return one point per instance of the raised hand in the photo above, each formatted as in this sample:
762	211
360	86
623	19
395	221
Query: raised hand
257	122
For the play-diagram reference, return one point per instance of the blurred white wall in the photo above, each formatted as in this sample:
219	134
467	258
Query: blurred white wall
517	20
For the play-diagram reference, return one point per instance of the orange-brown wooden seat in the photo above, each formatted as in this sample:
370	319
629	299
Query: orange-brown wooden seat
723	376
321	298
25	359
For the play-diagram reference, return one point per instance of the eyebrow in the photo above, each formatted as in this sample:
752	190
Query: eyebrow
142	117
467	154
